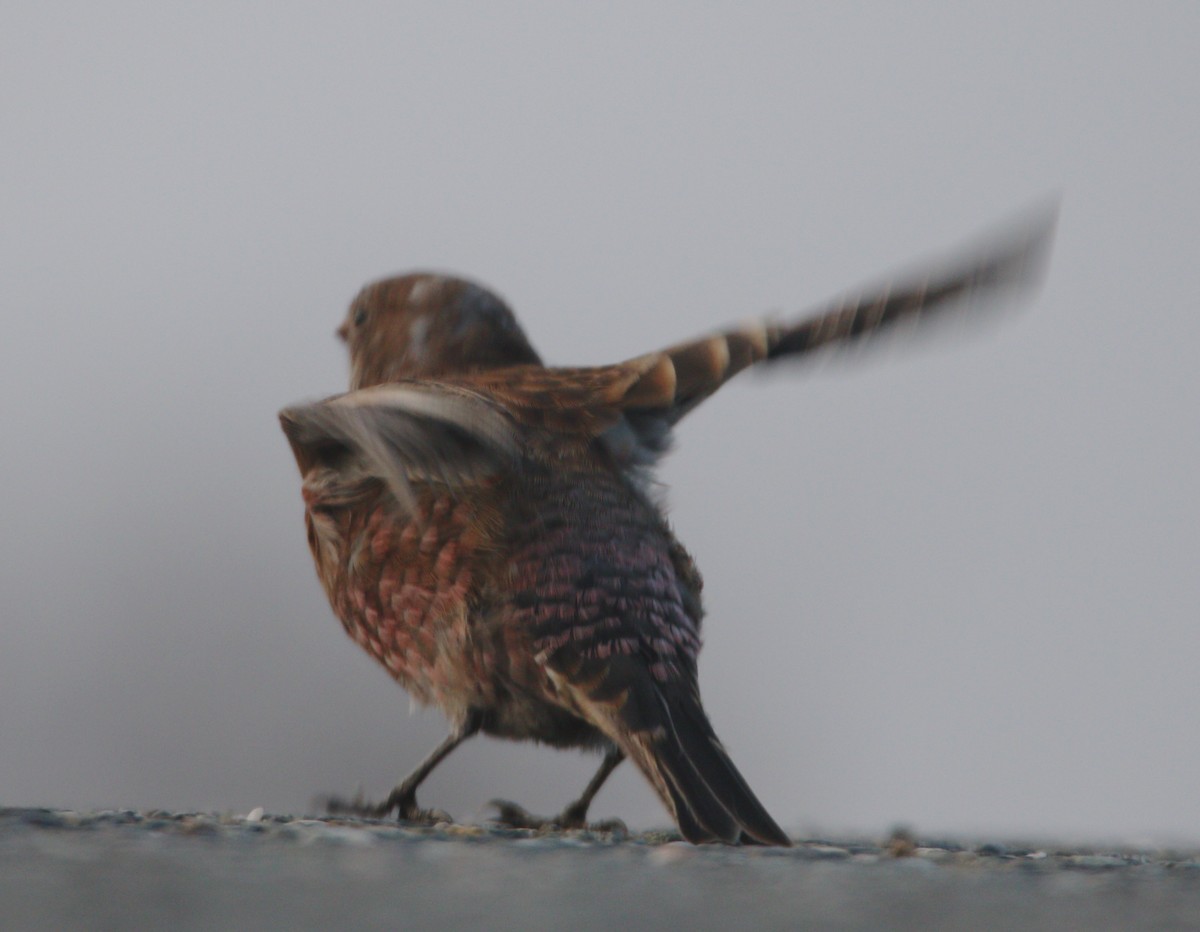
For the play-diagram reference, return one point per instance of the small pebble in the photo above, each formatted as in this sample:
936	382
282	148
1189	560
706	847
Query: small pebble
1094	861
42	818
822	852
673	852
901	844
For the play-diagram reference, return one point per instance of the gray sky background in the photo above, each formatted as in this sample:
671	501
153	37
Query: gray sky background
954	586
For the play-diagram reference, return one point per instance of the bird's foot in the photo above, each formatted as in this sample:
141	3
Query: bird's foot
403	802
573	817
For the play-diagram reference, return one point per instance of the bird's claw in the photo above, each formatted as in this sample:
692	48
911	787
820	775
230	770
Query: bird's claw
514	816
573	817
403	803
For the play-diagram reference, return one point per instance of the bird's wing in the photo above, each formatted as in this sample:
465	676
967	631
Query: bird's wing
634	405
451	429
402	433
1003	265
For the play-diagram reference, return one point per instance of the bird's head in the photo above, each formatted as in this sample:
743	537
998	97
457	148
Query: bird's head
426	326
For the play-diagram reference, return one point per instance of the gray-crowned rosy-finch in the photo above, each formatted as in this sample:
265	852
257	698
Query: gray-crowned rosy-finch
482	524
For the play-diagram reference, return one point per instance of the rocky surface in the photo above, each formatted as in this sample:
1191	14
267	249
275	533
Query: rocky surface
125	869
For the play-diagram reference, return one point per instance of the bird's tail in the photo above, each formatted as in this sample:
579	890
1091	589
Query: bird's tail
663	729
690	769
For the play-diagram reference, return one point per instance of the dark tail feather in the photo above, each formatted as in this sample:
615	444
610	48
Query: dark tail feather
702	816
709	759
709	797
662	728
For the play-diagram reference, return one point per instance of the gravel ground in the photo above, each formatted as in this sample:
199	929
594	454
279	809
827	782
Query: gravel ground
145	870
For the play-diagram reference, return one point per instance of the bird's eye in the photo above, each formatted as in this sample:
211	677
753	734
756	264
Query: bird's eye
360	317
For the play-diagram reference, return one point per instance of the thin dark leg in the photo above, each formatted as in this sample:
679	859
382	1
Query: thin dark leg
574	815
404	797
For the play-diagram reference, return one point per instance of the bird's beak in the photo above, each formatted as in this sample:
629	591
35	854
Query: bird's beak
344	332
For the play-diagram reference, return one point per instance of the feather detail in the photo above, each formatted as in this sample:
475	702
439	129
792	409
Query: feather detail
403	433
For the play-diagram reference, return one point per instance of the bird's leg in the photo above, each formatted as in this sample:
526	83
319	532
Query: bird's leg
574	815
404	797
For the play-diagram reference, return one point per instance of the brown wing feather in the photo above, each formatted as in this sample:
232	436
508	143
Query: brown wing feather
634	404
675	380
402	433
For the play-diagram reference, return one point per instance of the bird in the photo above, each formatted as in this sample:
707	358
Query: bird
488	527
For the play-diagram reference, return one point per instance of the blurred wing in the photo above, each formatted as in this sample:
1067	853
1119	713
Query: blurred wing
670	383
633	406
402	433
1002	265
